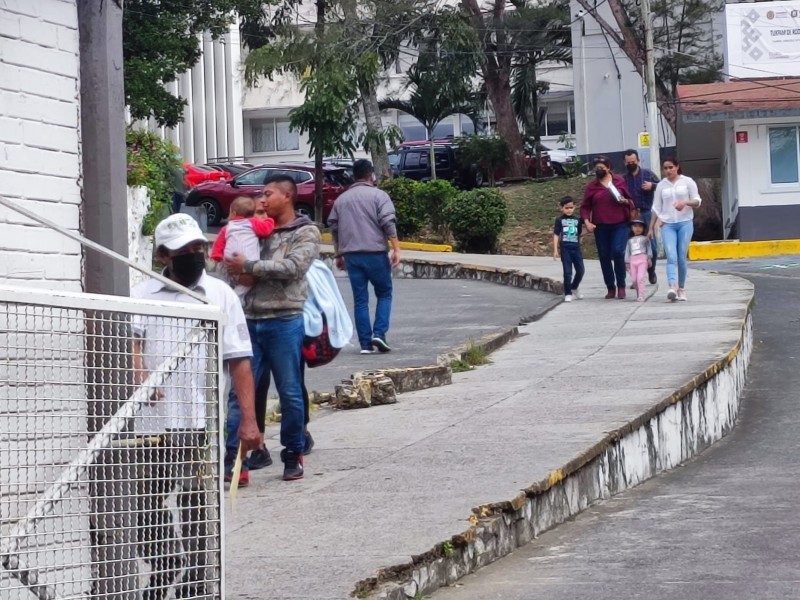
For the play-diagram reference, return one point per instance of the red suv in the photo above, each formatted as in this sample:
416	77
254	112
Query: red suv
217	196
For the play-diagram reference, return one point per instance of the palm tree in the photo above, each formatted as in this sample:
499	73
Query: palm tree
433	97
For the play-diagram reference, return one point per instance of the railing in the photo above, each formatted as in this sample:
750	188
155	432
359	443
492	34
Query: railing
110	418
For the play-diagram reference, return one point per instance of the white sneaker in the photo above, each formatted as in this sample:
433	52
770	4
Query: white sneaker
577	294
567	298
682	295
364	351
672	295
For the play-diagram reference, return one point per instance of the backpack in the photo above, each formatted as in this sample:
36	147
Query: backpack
318	350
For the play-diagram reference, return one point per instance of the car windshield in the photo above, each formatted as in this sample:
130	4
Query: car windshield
394	159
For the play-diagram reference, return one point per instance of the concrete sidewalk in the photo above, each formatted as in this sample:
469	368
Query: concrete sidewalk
389	483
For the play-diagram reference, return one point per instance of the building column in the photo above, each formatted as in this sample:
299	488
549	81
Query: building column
233	92
199	111
221	114
186	127
211	109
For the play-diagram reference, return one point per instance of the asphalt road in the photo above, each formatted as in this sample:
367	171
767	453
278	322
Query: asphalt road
723	526
431	317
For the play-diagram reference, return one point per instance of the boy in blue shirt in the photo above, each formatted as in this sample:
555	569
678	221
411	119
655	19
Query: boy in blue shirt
567	245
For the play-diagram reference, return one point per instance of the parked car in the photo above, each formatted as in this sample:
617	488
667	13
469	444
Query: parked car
217	196
232	169
412	160
197	174
561	158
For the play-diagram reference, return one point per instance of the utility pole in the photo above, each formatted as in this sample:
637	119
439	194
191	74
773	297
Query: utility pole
650	80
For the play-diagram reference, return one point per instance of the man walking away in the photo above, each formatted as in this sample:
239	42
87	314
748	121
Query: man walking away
642	186
362	220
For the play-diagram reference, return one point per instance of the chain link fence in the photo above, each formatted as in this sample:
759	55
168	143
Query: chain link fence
110	480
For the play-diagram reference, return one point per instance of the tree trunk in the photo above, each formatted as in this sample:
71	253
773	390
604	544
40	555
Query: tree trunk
432	155
318	181
369	102
499	90
319	31
372	116
497	74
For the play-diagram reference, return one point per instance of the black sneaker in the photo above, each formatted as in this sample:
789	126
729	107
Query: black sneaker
381	344
309	444
652	276
259	459
292	465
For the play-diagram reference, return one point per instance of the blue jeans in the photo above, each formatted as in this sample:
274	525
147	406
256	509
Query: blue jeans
276	350
364	268
611	241
676	238
646	216
571	256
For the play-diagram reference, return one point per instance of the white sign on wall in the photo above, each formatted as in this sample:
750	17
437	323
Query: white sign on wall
762	39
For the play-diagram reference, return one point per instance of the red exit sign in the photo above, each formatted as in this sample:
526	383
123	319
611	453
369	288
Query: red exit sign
741	137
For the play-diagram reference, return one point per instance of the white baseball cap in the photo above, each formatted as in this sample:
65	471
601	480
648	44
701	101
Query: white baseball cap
178	230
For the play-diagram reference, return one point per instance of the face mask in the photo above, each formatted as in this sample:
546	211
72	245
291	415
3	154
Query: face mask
187	268
632	168
600	173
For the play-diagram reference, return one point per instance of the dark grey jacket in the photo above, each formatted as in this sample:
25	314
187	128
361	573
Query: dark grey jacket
280	289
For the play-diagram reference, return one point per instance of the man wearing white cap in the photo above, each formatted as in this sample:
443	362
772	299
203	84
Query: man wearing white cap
177	413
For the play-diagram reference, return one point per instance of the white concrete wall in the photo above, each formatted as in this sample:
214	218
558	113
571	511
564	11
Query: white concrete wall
39	141
753	183
610	110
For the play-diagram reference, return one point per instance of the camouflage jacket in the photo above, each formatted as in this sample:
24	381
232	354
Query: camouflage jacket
280	288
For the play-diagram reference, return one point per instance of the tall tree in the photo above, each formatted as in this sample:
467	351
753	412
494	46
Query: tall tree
683	36
160	41
497	67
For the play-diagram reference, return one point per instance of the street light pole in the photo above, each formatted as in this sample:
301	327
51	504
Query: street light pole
650	79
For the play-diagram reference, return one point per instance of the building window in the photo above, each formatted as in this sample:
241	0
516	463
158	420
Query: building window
783	155
557	121
272	135
413	130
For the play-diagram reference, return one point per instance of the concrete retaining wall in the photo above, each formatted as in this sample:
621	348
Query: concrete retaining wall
676	429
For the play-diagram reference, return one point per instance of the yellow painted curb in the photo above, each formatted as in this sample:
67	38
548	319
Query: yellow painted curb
326	237
736	249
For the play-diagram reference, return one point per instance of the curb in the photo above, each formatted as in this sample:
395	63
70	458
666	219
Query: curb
410	379
730	249
420	246
698	414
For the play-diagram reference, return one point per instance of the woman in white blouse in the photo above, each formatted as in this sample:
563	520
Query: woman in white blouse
675	199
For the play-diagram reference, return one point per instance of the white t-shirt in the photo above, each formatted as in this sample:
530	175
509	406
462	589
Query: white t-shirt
187	393
667	193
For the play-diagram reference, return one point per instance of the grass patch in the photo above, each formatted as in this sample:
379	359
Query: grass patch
532	208
473	357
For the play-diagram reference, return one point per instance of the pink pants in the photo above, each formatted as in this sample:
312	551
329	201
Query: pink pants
639	273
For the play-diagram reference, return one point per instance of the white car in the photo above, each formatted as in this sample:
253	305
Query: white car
560	158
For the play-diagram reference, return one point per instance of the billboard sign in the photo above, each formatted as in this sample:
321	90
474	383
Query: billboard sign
762	39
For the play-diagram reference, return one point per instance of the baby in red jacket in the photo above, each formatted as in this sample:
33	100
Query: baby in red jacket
242	236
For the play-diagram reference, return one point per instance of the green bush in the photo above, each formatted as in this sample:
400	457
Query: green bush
435	196
153	163
476	219
412	213
488	152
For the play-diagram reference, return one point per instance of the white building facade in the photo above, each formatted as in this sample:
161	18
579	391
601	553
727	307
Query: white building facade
40	142
747	129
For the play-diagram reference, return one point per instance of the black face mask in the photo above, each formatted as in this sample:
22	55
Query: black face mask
600	173
187	268
632	168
